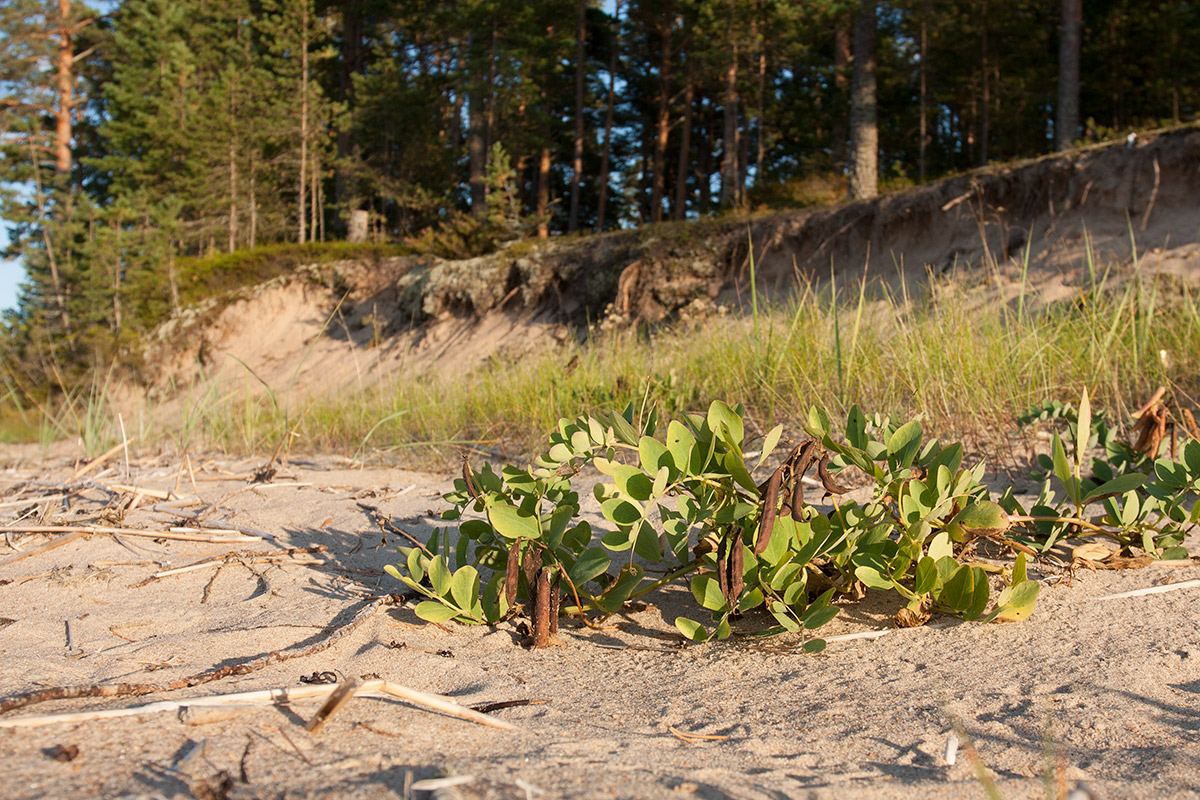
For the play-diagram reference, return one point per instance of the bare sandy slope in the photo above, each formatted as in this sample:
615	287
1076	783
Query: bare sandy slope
1029	227
1108	688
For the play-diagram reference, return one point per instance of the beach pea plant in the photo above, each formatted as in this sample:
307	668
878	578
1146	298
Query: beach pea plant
685	495
1141	498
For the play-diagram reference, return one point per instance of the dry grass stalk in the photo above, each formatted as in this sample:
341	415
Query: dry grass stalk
185	537
44	548
337	698
100	459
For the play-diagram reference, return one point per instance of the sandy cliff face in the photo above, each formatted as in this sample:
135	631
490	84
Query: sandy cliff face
349	325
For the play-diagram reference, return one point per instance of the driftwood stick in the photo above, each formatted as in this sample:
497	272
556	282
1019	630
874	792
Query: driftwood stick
373	688
243	668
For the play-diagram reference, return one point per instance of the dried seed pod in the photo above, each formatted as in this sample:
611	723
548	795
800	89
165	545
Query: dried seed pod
512	572
541	609
769	502
737	560
826	479
532	565
1189	422
723	567
469	479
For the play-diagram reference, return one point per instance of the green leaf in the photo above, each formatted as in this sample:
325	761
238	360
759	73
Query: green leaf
618	540
622	512
646	544
439	576
615	595
474	528
1119	485
633	482
872	577
432	611
464	587
416	566
780	612
816	617
814	646
818	423
596	431
979	597
660	481
1020	573
560	453
726	423
1062	469
623	428
926	576
902	445
511	522
940	546
983	517
591	563
856	428
1083	430
958	589
769	443
652	454
680	443
1174	553
732	513
707	592
691	630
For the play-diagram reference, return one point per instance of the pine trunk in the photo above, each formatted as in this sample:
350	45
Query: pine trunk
351	65
685	143
923	100
476	156
1067	127
303	112
864	127
729	144
841	82
606	154
66	84
663	119
543	194
985	68
580	65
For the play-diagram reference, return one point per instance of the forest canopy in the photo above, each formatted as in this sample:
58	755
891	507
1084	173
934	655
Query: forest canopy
138	134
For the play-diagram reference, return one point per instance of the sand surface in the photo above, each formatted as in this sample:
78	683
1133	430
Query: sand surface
1100	694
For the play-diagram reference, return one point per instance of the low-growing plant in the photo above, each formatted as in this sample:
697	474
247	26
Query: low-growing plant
1143	493
686	496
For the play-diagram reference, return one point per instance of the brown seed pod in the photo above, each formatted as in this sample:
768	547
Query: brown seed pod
827	481
769	503
512	572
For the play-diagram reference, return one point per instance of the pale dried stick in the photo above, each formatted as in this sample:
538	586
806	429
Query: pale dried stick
241	668
1170	587
371	689
100	459
43	548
